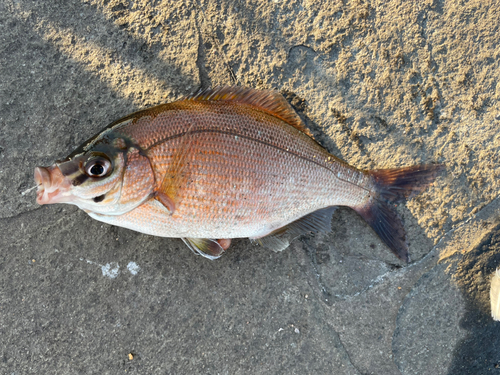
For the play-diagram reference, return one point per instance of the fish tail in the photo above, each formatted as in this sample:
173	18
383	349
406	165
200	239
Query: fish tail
392	186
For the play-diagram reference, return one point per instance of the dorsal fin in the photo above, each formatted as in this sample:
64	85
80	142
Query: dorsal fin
269	101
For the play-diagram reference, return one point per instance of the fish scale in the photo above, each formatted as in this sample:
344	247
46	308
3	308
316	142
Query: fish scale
225	163
289	175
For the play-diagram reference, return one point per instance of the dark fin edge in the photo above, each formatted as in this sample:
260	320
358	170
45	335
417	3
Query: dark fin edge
399	184
386	222
279	239
271	102
392	186
205	247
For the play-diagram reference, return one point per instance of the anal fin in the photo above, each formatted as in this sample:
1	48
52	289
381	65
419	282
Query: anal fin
274	242
317	221
205	247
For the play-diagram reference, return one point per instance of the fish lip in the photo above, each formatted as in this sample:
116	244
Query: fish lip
52	185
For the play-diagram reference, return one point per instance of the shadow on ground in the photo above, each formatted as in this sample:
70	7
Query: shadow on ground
479	352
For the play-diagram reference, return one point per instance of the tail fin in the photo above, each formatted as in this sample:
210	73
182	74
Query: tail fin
392	186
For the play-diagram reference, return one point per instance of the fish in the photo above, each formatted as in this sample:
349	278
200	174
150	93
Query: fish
224	163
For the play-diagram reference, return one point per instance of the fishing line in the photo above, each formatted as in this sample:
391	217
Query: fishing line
27	191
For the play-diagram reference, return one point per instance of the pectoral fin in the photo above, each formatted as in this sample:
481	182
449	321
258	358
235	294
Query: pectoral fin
177	174
166	201
280	238
206	247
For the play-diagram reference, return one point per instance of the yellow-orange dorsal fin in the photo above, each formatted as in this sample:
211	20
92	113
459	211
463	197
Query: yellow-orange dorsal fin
269	101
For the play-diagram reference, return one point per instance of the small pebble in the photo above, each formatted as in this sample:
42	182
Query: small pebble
130	356
497	117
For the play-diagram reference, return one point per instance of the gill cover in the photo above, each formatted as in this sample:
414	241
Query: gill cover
107	175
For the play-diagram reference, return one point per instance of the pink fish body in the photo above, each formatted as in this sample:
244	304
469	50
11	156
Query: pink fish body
225	163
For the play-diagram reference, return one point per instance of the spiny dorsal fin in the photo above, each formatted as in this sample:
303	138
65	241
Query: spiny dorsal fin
268	101
317	221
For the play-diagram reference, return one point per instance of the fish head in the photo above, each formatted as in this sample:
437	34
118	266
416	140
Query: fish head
108	175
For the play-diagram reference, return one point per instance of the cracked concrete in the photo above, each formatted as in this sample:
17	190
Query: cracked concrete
380	84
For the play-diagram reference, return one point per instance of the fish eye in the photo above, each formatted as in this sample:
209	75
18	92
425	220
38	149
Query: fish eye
97	167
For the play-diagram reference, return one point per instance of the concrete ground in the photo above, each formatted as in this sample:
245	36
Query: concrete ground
380	84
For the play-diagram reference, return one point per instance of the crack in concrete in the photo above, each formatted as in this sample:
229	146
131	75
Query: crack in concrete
30	235
297	46
311	257
20	199
427	258
326	294
431	254
232	76
17	215
201	58
346	352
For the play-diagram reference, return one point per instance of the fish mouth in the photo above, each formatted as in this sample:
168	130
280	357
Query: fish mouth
52	186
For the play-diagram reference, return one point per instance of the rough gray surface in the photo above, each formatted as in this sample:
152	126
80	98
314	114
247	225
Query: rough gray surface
380	84
426	338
